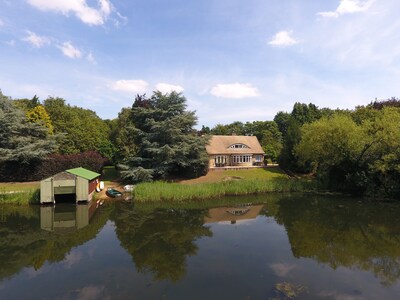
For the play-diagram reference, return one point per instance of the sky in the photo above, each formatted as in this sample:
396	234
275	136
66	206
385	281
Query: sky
233	60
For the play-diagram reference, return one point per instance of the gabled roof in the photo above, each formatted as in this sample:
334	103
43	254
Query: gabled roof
219	144
84	173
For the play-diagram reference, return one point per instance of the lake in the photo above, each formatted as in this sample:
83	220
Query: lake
265	247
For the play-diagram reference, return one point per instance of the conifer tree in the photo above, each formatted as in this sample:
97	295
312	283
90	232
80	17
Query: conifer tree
167	143
21	141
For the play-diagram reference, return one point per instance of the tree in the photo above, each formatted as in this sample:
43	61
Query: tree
21	142
167	144
121	135
39	115
80	129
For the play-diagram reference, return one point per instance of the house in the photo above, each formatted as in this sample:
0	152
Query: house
74	185
234	150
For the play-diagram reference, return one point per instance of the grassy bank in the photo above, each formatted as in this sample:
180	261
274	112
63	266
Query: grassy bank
18	197
162	191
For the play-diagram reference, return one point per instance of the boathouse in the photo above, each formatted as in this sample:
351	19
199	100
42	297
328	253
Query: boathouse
72	185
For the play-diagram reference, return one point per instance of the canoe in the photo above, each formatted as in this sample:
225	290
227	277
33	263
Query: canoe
113	193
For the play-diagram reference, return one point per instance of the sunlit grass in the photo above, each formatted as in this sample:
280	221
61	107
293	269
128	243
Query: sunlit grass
163	191
19	197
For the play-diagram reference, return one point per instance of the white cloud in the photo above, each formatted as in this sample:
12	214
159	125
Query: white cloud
131	86
348	7
87	14
1	23
36	40
234	90
70	51
283	39
168	88
91	58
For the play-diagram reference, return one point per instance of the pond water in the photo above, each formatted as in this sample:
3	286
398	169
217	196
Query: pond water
280	247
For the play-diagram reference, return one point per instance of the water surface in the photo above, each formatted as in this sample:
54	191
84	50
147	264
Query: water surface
319	248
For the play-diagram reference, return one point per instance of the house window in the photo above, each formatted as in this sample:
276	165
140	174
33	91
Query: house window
238	159
239	146
220	161
259	158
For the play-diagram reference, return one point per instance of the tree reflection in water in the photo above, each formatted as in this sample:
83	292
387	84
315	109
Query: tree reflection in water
343	233
160	240
24	244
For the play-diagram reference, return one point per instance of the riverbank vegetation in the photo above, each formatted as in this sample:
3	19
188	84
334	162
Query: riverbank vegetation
19	193
163	191
350	151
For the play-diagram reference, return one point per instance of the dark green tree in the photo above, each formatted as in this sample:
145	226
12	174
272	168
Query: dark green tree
122	131
21	141
167	144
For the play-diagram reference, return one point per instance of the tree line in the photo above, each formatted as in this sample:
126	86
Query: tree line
355	151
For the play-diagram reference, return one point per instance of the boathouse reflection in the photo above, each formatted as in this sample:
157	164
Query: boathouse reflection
66	217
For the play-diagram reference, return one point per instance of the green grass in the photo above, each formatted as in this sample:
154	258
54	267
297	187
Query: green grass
27	196
162	191
256	174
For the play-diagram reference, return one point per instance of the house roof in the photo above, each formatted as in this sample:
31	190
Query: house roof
84	173
219	144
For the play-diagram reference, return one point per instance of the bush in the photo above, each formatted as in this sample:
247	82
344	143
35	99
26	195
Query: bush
53	164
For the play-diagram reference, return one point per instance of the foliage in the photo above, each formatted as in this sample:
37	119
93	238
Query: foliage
392	102
23	144
19	197
39	115
160	240
290	126
26	104
343	232
162	191
167	144
81	129
53	164
358	158
122	131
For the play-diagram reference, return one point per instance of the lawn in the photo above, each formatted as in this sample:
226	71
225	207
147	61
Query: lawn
221	175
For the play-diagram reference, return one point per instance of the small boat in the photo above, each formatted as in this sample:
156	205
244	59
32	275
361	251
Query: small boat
113	193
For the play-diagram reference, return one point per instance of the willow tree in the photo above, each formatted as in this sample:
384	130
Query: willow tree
167	144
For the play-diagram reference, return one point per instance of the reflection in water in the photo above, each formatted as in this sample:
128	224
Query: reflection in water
146	253
344	233
24	243
64	217
160	240
233	214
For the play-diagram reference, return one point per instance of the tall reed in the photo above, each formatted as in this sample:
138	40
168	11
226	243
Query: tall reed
163	191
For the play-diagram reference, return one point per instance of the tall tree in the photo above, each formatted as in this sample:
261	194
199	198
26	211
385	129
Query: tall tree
167	143
81	129
21	142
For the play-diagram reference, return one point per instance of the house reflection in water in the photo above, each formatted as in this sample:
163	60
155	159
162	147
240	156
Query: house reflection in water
233	214
66	217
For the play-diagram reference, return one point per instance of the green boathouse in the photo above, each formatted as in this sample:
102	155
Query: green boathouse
74	185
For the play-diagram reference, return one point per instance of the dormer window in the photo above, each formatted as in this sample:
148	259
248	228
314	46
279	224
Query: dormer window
239	146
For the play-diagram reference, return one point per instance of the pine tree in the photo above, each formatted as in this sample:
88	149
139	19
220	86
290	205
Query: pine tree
167	143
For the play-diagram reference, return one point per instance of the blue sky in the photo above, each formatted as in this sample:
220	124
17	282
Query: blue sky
234	60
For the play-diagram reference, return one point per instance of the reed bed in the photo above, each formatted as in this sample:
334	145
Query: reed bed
19	197
163	191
